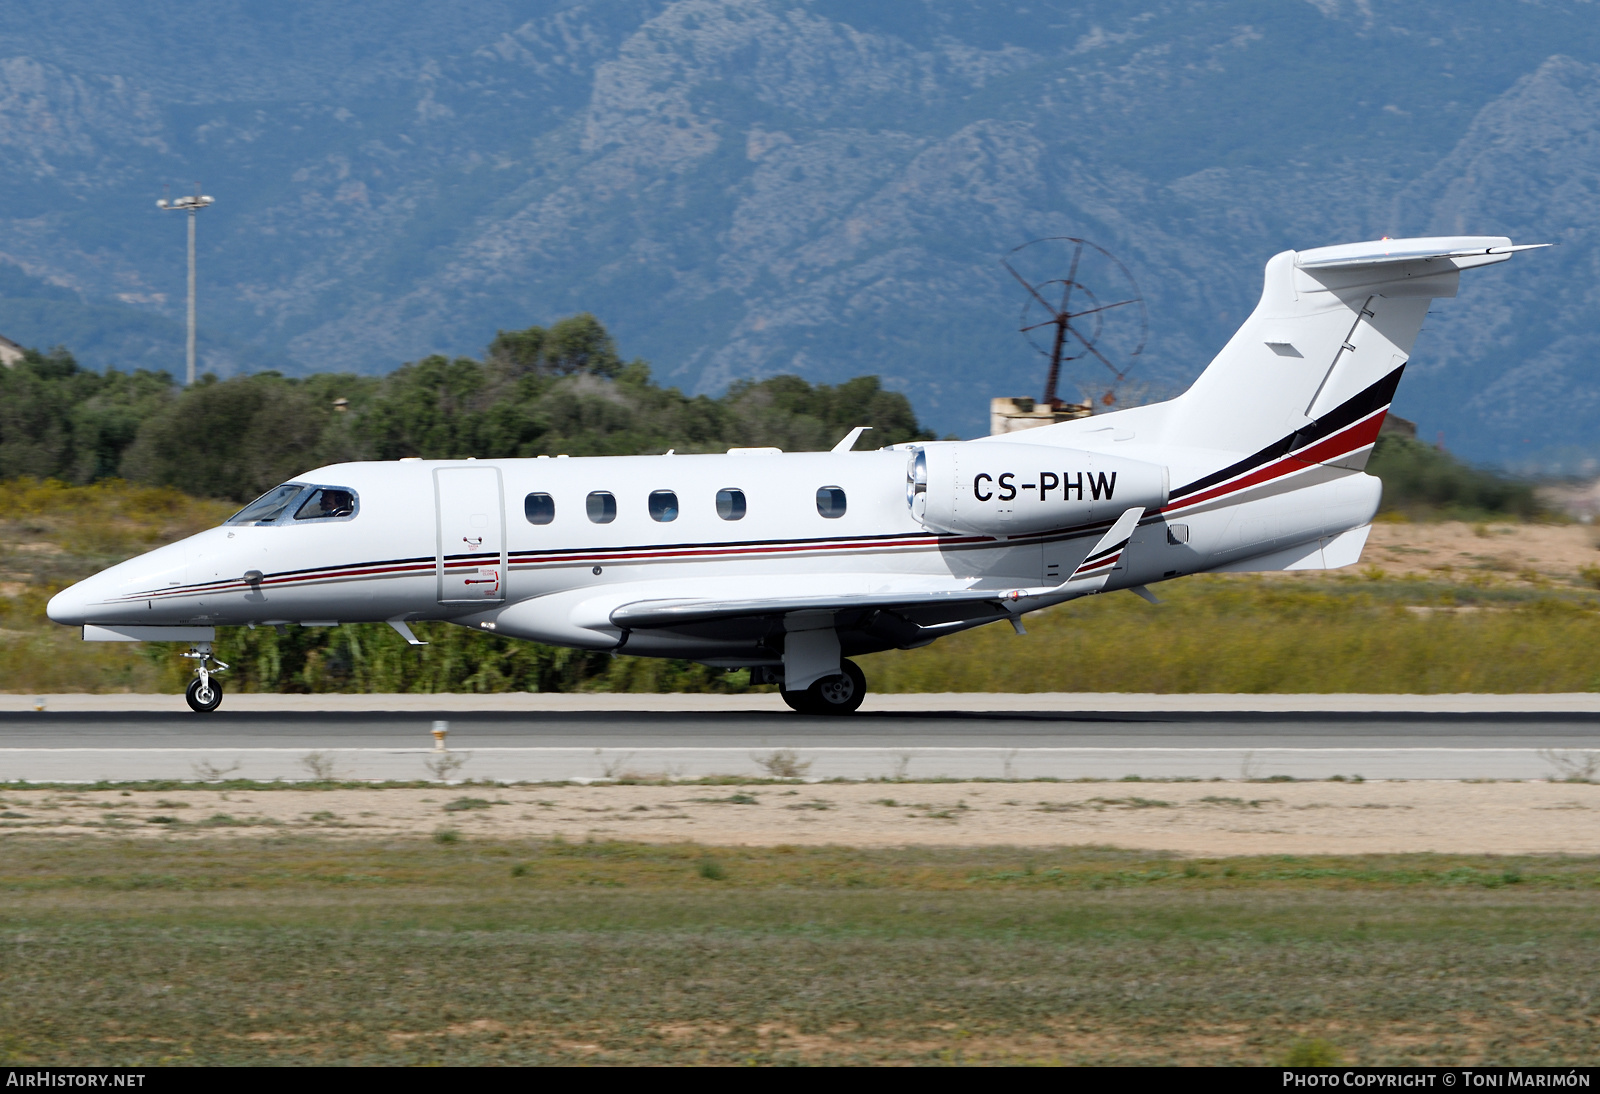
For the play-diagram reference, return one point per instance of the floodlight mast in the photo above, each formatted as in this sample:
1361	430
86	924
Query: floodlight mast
190	205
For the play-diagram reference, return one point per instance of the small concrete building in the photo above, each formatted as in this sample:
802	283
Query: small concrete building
1011	415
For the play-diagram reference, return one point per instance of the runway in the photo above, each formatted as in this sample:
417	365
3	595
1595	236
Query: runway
588	745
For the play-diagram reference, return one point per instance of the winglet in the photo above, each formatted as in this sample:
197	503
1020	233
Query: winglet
851	438
1105	555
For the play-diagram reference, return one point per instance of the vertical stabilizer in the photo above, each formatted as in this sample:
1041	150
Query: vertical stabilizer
1312	371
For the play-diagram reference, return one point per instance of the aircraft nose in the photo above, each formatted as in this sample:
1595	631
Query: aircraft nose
70	606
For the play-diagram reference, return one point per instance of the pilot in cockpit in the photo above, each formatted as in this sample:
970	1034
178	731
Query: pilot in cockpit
337	503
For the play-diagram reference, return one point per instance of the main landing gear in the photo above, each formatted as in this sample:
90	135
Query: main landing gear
840	694
204	692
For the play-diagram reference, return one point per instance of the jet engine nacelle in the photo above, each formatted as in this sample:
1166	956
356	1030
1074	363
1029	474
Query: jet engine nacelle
1013	489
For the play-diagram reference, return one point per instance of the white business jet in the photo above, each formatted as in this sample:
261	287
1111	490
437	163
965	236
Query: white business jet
790	563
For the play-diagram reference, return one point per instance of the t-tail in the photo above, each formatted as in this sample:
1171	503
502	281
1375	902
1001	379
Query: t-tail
1311	373
1309	376
1263	456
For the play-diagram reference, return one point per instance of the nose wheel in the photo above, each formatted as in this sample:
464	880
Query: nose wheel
204	693
841	694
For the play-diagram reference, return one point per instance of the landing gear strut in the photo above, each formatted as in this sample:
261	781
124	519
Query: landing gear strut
840	694
204	693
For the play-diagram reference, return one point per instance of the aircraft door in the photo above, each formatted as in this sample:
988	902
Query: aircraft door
471	553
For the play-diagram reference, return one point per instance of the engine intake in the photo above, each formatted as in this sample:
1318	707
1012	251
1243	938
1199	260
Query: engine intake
1012	489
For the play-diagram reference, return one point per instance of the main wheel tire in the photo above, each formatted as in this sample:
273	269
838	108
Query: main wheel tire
840	694
799	701
204	701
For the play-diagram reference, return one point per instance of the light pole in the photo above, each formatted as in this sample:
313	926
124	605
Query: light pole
191	206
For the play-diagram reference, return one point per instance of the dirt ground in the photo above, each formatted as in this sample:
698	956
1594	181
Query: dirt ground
1455	550
1193	818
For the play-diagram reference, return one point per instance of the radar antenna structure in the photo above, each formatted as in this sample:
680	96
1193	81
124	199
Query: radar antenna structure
1081	323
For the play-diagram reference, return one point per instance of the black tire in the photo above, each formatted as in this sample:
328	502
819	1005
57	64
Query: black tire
212	700
840	694
799	701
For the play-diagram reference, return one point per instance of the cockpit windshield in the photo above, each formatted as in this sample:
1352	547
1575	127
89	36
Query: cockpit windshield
326	503
269	506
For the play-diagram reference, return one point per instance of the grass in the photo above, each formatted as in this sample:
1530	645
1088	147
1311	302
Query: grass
1255	635
146	951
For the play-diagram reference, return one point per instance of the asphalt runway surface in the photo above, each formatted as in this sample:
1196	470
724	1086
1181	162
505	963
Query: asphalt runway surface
87	746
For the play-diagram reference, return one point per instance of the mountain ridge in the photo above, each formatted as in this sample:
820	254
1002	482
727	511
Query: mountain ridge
741	189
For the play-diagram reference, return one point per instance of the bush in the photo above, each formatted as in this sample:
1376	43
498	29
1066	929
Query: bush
1426	483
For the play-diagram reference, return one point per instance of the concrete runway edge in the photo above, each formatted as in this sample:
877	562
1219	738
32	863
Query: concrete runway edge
587	738
972	702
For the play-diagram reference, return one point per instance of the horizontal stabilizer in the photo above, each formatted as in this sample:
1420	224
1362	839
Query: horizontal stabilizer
1383	252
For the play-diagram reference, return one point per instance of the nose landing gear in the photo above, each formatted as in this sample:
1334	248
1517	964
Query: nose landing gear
204	693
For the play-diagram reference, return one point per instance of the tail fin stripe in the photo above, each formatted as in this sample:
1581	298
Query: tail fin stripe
1376	397
1353	438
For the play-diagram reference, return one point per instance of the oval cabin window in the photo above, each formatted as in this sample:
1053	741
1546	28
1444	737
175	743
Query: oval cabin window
663	505
602	507
730	504
539	508
830	502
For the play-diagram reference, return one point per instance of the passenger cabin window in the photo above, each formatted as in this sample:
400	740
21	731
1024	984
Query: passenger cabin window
602	507
663	505
539	508
327	503
830	502
269	506
730	504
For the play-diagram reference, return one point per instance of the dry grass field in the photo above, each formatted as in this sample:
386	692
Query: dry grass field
297	949
1433	608
975	923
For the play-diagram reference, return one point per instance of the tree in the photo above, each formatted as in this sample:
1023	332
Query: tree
576	344
540	391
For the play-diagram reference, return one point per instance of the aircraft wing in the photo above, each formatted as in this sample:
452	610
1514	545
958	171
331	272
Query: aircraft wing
922	605
679	612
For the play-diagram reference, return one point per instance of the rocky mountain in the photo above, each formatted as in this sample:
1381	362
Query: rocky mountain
740	188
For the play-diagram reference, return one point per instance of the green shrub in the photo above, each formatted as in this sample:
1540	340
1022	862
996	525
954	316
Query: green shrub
1314	1052
1426	483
